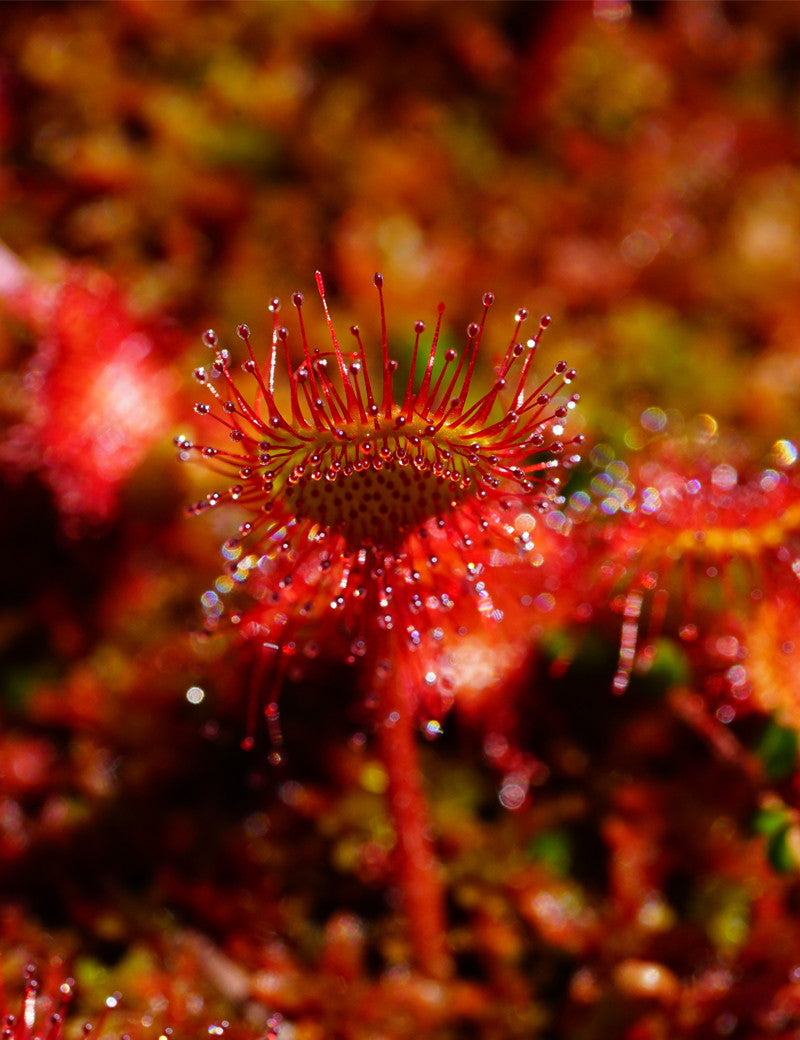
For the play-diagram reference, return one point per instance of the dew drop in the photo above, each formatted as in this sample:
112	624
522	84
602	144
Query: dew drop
210	338
297	299
274	305
377	280
243	331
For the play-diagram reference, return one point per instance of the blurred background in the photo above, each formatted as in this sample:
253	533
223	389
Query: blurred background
630	168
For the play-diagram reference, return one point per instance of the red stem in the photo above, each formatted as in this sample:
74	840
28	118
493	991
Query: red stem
416	866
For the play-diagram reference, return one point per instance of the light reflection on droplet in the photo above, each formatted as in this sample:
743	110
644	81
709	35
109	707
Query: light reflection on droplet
784	452
601	455
579	502
195	695
769	480
602	483
639	248
512	794
612	12
525	523
495	746
705	427
727	646
30	1010
736	675
653	419
724	477
555	520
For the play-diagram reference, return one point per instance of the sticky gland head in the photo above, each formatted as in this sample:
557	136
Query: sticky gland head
334	451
